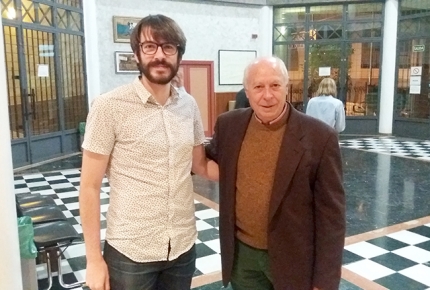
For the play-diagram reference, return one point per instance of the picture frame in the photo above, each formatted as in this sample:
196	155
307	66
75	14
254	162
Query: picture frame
125	63
122	28
232	64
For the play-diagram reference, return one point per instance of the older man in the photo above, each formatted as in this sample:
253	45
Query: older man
282	207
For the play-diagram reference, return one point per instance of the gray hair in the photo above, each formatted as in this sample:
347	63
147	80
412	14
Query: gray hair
274	59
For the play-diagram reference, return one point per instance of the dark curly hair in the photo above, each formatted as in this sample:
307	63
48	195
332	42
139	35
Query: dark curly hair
161	28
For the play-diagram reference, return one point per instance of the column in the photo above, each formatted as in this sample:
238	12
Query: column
91	49
10	265
265	33
388	85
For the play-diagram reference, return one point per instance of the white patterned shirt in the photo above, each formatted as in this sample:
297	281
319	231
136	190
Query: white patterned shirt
150	148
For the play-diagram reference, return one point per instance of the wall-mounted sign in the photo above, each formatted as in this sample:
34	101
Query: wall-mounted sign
42	70
419	48
415	81
324	71
415	90
416	70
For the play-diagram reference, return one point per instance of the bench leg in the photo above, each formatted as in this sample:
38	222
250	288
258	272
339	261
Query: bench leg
47	259
60	276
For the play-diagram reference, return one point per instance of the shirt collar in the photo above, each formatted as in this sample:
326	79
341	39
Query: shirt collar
276	119
146	96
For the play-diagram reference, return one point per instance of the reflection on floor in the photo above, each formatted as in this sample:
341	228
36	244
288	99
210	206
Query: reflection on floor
388	222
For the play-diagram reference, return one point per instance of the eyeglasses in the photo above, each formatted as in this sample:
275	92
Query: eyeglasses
151	48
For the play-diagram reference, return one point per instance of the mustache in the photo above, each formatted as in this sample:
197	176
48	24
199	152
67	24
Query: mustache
159	62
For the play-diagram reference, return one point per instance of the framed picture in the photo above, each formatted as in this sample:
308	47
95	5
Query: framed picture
122	27
232	64
125	63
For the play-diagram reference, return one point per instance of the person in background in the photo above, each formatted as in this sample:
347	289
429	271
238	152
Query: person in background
282	201
326	107
147	137
241	100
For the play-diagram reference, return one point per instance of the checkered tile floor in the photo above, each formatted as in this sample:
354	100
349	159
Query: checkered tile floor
63	187
397	261
415	149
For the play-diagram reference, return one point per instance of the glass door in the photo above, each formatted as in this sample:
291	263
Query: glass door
33	106
326	60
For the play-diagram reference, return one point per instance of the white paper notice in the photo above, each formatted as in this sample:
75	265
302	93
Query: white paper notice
415	81
415	89
416	70
42	70
324	71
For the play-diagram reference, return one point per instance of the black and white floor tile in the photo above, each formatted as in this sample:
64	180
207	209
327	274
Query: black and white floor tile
388	145
397	261
63	187
400	260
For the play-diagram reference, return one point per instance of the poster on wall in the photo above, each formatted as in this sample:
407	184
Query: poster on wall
232	64
122	28
125	63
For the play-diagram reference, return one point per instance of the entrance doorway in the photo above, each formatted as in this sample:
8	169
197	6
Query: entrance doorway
45	79
341	41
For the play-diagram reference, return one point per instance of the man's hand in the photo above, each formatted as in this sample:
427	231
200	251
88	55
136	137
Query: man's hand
203	166
97	277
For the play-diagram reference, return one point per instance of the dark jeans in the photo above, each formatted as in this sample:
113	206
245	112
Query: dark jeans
125	274
251	269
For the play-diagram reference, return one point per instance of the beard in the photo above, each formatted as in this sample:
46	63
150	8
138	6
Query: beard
145	69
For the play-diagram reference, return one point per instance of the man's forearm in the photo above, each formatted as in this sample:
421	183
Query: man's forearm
89	204
212	170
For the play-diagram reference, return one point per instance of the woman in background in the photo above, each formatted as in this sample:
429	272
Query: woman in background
326	107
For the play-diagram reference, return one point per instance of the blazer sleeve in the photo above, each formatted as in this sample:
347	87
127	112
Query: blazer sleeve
330	221
212	148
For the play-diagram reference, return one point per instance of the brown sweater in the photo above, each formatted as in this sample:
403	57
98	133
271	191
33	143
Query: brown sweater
255	171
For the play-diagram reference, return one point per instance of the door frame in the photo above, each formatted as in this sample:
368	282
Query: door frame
211	101
38	148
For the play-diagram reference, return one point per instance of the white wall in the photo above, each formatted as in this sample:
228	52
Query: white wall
208	28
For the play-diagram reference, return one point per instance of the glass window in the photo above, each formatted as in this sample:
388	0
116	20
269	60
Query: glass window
75	21
45	15
28	14
414	7
289	15
326	31
326	13
289	32
8	9
357	31
62	18
412	98
363	79
416	25
73	80
73	3
294	56
365	11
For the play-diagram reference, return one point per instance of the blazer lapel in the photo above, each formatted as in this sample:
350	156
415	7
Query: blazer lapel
290	154
238	130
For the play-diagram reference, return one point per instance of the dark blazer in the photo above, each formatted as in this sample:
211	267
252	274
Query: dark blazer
307	208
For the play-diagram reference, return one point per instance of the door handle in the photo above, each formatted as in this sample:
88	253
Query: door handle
27	112
32	96
29	107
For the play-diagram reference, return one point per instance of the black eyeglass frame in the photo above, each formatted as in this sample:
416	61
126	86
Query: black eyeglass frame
177	46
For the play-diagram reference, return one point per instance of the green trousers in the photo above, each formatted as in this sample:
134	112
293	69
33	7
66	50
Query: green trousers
251	270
